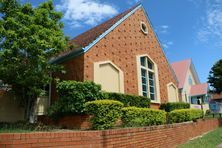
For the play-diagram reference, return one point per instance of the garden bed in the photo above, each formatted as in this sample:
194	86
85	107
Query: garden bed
154	136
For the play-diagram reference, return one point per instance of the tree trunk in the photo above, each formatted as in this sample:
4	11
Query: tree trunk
30	109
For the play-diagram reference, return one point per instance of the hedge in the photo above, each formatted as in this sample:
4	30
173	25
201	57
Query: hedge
183	115
127	100
134	117
105	113
170	106
72	97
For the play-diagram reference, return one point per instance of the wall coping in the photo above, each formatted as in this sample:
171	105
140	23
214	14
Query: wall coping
112	131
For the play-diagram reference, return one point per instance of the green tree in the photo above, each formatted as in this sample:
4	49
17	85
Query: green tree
215	77
29	37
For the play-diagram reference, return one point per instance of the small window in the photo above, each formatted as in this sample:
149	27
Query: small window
190	80
144	28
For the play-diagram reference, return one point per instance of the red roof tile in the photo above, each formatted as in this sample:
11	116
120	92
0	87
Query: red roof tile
216	96
180	69
89	36
199	89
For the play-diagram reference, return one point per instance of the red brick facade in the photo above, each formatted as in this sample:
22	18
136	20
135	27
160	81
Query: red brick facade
166	136
121	46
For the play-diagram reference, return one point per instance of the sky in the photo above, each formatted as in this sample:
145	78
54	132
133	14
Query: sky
185	28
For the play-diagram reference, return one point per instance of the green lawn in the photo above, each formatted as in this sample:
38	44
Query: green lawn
23	127
210	140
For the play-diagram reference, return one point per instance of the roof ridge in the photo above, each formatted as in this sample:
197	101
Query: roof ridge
103	26
87	39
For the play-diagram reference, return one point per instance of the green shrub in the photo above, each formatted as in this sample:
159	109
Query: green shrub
127	100
72	97
183	115
134	116
105	113
170	106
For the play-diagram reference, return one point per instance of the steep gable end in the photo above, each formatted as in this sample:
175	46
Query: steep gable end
123	45
181	68
86	40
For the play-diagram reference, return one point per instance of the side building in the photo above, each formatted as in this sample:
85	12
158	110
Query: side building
190	88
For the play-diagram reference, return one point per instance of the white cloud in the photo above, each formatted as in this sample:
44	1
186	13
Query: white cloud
166	45
163	29
90	12
212	22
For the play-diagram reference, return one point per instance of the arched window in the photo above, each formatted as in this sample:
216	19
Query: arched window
147	78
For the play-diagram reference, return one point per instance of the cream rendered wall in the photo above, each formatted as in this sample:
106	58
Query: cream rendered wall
109	76
187	86
172	93
10	111
42	105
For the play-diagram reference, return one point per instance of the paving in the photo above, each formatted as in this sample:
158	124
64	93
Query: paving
219	146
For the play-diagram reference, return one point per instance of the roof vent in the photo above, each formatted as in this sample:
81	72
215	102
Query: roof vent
144	28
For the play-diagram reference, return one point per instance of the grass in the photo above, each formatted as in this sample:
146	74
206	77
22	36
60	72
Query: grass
210	140
23	127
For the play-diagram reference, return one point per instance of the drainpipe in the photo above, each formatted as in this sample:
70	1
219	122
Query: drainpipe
50	91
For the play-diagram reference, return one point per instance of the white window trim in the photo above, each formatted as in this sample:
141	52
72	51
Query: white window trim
156	76
168	85
145	32
97	77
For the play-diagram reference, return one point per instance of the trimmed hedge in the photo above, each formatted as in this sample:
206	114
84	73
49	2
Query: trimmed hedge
105	113
134	117
170	106
183	115
72	97
127	100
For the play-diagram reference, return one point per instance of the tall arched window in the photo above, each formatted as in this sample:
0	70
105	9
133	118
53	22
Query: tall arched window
147	78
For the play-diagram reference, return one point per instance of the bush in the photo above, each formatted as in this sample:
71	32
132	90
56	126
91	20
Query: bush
127	100
105	113
134	116
170	106
183	115
72	97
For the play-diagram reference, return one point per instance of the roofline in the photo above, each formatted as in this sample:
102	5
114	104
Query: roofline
198	95
111	28
70	55
174	75
195	72
66	57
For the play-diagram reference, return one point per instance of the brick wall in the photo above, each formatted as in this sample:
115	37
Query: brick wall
122	45
166	136
71	122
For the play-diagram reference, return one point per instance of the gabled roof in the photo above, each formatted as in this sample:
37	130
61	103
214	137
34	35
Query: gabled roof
199	89
87	39
180	68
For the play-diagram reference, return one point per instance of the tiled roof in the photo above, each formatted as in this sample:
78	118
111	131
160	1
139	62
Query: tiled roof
180	69
199	89
92	34
216	96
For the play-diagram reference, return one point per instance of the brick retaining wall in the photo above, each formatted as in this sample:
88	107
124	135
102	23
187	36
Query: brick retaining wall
155	136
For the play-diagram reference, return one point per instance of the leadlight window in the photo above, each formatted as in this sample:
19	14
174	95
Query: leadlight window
147	78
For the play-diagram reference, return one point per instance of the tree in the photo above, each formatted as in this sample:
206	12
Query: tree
215	77
29	37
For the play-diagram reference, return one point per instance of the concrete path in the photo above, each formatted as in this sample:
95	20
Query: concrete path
219	146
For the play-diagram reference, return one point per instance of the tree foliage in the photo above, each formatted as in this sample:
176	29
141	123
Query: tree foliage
29	37
215	77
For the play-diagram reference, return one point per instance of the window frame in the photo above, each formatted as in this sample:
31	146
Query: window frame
142	25
154	71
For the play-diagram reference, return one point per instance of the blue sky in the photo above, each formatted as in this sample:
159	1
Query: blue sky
185	28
